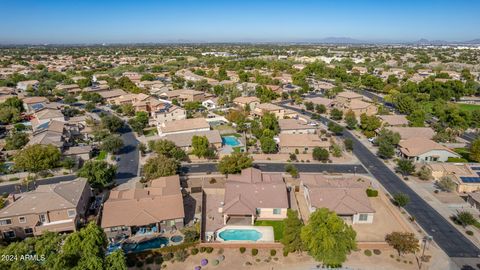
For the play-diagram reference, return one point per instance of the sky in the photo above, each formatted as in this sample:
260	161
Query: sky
137	21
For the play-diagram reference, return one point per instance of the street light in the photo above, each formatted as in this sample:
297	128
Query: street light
426	239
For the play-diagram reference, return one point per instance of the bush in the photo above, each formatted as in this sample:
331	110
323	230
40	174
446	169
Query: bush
209	249
368	252
202	249
194	251
131	261
158	260
181	255
273	252
377	252
285	253
254	252
242	250
372	192
215	262
149	260
469	233
167	256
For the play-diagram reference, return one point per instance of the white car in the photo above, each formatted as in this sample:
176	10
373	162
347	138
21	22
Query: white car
372	140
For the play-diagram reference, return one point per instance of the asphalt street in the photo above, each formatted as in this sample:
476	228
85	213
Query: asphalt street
127	164
445	234
280	167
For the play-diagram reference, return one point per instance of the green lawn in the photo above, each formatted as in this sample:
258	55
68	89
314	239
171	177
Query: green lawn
102	155
278	227
468	107
150	132
237	149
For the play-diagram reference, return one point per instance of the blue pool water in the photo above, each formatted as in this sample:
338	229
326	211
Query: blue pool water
240	235
230	140
146	245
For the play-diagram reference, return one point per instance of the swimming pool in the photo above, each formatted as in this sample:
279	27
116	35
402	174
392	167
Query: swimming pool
145	245
240	235
231	141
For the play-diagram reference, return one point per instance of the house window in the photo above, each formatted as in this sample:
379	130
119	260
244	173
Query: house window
43	218
22	219
5	222
277	211
28	231
9	234
363	217
258	211
71	213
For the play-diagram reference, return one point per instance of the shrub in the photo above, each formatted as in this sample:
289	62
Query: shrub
194	251
469	233
220	251
131	261
391	256
167	256
242	250
285	253
181	255
202	249
209	249
372	192
149	260
377	252
368	252
158	260
273	252
215	262
254	252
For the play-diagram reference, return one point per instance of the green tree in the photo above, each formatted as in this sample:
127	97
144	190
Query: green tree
446	184
327	238
116	261
424	173
201	147
386	141
348	144
148	77
69	99
405	166
309	105
475	150
16	140
234	163
320	154
268	144
465	218
292	170
320	109
292	241
336	114
369	124
90	106
9	115
127	109
37	157
68	163
403	242
417	118
351	120
401	200
111	143
112	123
335	128
270	121
160	166
99	174
14	102
168	149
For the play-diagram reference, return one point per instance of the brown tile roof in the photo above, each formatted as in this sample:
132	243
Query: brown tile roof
46	198
394	119
245	100
320	100
413	132
253	189
33	100
184	125
417	146
112	93
293	124
162	200
344	196
185	139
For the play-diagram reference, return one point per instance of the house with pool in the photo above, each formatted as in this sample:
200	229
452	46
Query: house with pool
230	212
345	196
154	209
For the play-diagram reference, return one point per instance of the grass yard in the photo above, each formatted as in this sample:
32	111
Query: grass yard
468	107
150	132
102	155
278	226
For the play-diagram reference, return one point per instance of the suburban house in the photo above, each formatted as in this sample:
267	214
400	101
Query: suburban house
156	208
31	104
243	102
43	116
345	196
254	195
465	176
413	132
301	143
184	95
184	140
474	199
328	103
25	85
348	96
52	132
168	112
424	150
278	111
110	95
210	104
183	126
357	106
295	126
57	208
78	153
393	120
69	88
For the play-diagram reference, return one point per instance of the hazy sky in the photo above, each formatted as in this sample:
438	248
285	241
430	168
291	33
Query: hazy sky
85	21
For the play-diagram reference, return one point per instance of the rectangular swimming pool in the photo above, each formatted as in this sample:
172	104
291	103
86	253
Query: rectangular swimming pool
231	141
240	235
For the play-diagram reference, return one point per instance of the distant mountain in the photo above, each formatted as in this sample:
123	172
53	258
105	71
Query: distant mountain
431	42
473	41
340	40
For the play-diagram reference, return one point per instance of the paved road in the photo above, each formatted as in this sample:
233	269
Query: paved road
444	234
127	166
280	167
15	188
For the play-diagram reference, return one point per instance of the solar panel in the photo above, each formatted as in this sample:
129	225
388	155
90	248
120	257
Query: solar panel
37	106
470	179
475	168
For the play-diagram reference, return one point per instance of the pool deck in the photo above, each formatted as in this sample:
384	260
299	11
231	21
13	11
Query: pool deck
266	231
